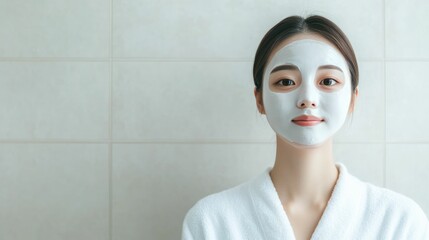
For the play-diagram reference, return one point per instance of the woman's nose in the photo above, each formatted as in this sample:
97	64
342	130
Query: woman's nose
308	97
306	104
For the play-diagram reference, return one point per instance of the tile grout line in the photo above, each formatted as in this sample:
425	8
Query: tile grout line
385	96
110	153
194	142
184	60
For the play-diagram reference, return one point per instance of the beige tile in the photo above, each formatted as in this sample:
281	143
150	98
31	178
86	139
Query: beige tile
175	101
224	29
407	27
362	22
195	29
54	191
54	100
407	169
406	89
154	185
365	161
367	123
52	28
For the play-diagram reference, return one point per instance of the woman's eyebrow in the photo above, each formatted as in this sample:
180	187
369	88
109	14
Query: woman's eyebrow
330	67
293	67
284	67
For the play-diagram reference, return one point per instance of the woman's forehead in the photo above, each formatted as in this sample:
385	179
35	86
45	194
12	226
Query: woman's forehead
300	36
307	54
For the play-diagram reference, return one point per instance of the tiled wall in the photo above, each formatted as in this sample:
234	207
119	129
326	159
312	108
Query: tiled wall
118	115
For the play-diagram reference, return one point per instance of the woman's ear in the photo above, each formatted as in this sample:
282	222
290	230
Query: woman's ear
353	101
259	102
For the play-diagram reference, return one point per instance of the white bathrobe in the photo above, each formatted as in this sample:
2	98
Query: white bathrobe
356	210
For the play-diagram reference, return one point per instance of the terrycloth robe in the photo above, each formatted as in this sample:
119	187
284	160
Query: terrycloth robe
355	210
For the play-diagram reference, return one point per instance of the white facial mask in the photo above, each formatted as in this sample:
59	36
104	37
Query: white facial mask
281	106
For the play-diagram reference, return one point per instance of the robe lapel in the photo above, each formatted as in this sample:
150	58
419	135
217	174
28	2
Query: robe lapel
342	209
268	209
344	205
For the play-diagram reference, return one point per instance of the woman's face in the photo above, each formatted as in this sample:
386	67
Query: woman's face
306	90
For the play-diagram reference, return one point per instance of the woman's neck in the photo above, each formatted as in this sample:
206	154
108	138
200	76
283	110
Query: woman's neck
304	176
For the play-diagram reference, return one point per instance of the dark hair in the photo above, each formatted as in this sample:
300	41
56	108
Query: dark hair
295	24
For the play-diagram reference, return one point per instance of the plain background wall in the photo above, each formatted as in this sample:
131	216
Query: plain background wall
118	115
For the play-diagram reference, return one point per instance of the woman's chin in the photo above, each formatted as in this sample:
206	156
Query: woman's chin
307	145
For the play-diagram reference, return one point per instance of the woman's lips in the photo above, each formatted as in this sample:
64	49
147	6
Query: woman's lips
307	120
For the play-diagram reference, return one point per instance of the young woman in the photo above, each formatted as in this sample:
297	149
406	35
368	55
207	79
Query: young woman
306	83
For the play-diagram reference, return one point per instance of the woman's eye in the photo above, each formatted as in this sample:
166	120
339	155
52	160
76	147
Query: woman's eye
286	82
328	82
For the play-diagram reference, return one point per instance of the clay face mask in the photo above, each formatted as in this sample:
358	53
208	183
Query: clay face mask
306	78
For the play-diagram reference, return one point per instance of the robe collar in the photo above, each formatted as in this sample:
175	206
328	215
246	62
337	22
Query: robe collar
335	221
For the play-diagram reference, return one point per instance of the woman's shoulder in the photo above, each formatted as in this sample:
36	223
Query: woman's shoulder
217	211
214	203
378	198
394	213
396	209
393	200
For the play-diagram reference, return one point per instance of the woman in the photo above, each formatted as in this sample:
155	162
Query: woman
306	83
